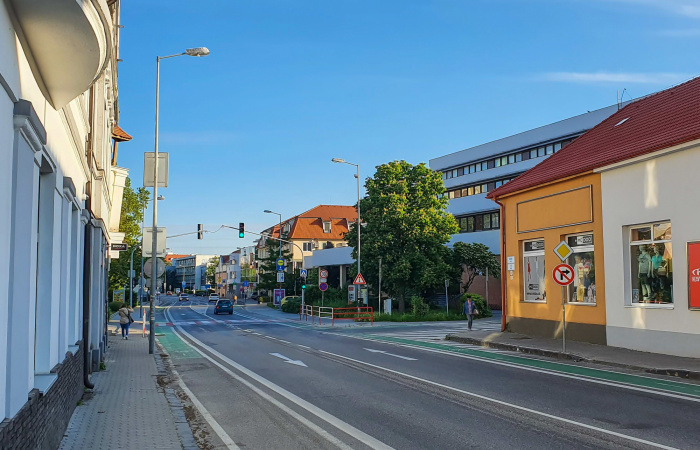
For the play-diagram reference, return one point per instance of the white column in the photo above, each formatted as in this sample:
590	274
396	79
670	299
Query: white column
76	290
66	305
22	287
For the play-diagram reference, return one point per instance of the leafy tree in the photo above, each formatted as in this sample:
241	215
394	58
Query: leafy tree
211	271
268	279
475	258
405	223
129	224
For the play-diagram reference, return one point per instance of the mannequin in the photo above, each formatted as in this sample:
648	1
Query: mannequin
659	271
645	271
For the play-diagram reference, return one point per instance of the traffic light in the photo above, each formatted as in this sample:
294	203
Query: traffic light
303	283
200	231
241	229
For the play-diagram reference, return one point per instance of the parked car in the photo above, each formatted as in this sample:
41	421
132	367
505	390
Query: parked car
223	306
213	298
184	297
168	293
255	297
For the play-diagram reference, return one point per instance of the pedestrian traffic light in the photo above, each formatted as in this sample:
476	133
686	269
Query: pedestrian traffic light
303	284
241	229
200	231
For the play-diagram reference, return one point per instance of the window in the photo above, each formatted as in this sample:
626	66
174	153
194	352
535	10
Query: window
504	160
478	167
540	151
496	220
477	189
511	159
557	147
306	246
533	271
487	221
454	173
651	264
448	174
470	191
499	183
465	192
583	289
470	224
460	171
327	225
458	193
518	157
498	162
484	165
550	149
533	153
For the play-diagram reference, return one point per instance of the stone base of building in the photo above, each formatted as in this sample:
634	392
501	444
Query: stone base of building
583	332
41	422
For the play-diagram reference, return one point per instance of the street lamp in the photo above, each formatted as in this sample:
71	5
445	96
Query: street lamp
267	211
198	51
359	223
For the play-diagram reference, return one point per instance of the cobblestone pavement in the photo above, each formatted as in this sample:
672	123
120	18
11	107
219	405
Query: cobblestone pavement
127	410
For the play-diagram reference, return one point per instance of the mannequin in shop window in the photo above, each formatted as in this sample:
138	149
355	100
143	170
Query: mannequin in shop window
581	270
645	272
659	266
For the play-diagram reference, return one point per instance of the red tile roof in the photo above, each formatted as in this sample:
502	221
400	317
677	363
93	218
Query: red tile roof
120	135
171	256
309	225
653	123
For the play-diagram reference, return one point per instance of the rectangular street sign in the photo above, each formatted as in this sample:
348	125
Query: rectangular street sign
351	293
280	277
148	163
148	242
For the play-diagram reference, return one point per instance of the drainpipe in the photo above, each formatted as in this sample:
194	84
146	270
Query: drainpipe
503	265
87	250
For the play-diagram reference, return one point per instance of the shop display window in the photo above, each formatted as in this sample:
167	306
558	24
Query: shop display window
651	264
533	271
583	289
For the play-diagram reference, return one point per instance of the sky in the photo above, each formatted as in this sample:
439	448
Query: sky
290	84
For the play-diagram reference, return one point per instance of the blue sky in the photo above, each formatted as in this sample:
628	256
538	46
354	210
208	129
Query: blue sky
291	84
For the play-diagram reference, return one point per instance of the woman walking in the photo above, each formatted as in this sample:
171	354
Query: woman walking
125	319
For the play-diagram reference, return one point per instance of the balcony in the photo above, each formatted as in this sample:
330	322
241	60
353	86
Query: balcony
69	41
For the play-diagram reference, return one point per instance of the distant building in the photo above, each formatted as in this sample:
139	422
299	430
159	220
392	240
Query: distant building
471	173
190	271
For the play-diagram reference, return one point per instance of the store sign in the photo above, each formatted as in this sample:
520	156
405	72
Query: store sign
694	275
533	246
582	239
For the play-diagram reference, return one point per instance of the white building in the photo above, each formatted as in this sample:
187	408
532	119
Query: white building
651	213
189	270
60	197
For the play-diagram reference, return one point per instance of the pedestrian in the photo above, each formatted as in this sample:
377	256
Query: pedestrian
469	310
125	320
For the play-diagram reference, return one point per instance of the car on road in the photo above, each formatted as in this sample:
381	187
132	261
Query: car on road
223	306
183	297
255	297
168	293
213	298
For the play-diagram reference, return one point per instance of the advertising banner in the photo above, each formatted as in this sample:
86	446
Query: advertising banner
278	296
694	275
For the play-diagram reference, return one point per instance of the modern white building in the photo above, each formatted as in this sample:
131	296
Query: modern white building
60	198
189	271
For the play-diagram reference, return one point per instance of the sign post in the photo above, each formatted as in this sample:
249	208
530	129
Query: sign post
563	275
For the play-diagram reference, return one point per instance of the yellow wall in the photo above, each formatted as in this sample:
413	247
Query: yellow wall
547	213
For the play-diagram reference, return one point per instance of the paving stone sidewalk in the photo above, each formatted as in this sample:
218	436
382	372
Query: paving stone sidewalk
581	351
127	409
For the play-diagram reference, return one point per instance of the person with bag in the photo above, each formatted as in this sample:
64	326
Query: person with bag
125	320
470	310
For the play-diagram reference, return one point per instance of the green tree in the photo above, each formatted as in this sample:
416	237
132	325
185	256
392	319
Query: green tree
268	279
130	224
405	223
474	259
211	271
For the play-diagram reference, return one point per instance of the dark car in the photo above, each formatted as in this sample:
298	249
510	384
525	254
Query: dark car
223	306
255	297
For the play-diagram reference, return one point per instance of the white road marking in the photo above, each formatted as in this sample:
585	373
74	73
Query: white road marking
289	360
318	412
390	354
510	405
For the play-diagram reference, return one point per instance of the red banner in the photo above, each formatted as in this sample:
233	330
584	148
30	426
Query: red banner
694	274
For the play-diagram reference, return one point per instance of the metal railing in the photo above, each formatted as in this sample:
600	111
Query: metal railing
358	314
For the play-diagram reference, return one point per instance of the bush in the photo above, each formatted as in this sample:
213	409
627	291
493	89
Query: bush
429	317
114	306
481	306
419	308
292	306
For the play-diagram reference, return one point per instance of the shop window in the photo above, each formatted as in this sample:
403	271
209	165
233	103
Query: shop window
583	289
651	264
533	271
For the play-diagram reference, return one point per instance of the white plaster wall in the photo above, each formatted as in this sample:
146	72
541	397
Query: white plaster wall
6	152
658	189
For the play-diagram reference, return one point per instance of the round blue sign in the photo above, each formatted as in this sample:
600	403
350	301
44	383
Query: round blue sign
323	286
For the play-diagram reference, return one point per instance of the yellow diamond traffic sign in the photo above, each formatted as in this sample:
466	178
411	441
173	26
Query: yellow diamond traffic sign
563	250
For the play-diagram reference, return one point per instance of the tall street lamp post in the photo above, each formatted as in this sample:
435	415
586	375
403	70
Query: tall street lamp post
199	51
359	221
267	211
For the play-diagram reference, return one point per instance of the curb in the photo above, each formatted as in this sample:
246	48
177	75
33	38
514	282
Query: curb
679	373
184	431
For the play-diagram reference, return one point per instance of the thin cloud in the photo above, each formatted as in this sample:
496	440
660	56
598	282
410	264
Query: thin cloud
665	78
686	8
691	32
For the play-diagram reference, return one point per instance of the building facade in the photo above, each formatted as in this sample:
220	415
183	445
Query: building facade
61	193
190	271
470	174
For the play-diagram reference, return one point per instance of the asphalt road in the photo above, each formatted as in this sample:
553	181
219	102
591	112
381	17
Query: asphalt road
269	381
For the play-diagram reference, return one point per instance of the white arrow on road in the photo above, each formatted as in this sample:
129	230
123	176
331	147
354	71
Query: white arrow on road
390	354
290	361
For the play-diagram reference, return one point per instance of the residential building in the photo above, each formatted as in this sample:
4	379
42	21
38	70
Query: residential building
190	271
471	173
60	197
614	195
321	227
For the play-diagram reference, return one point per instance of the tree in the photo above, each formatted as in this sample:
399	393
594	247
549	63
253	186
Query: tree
405	223
211	271
475	258
129	224
268	279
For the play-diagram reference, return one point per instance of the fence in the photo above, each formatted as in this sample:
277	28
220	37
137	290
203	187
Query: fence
357	313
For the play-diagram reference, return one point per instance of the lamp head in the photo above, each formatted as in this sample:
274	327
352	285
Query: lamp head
197	51
267	211
338	160
160	197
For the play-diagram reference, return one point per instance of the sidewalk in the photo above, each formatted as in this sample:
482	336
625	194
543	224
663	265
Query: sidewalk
127	409
581	351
